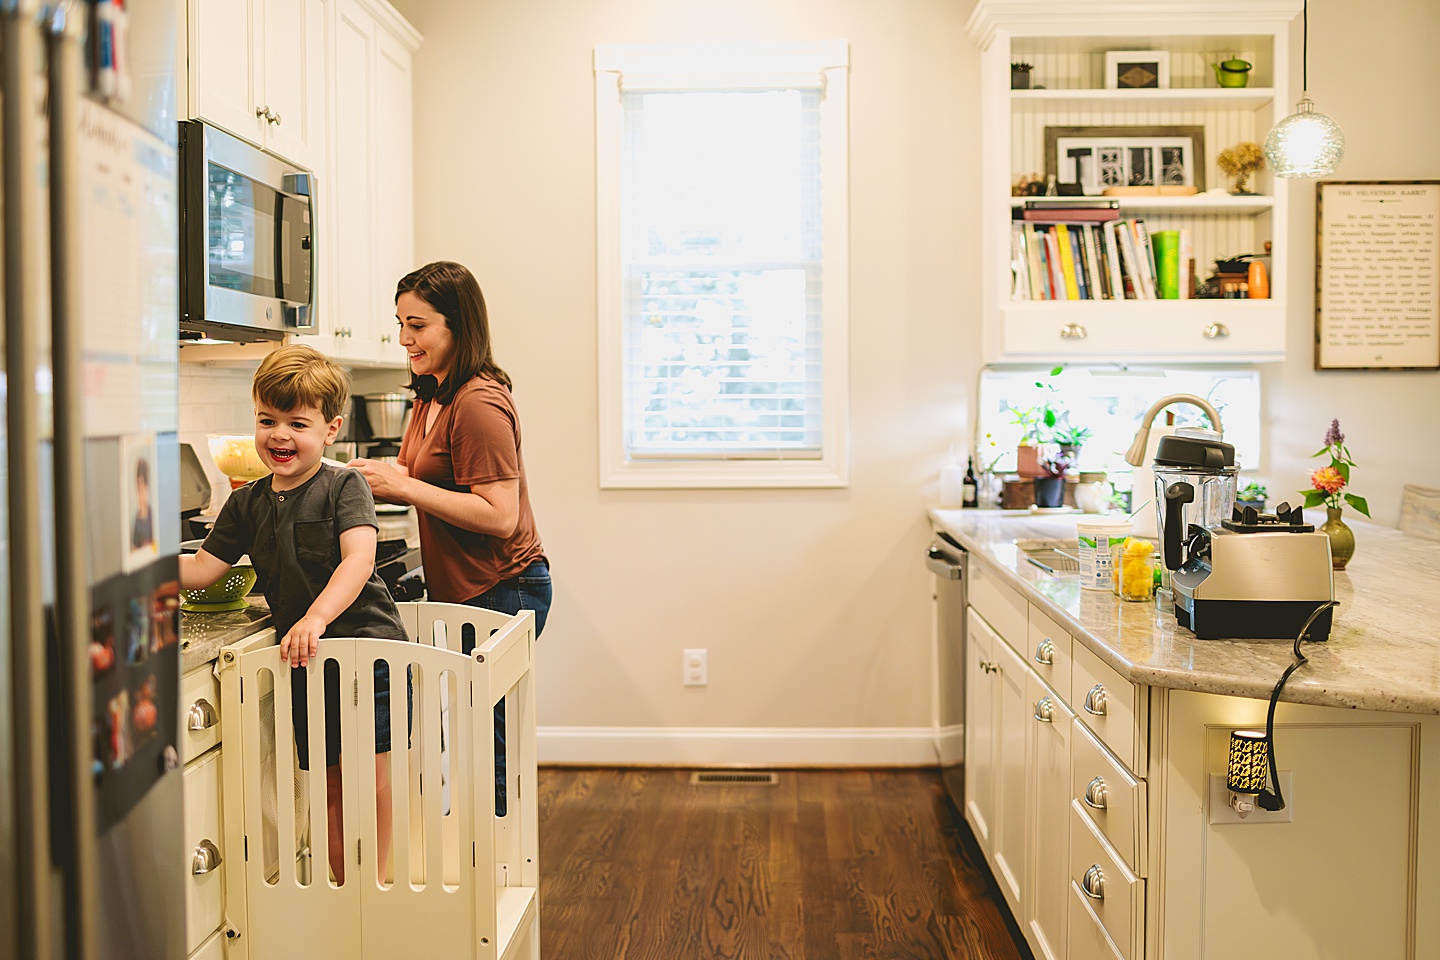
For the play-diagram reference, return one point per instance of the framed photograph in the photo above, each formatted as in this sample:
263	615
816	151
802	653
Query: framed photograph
1100	157
1377	275
1137	69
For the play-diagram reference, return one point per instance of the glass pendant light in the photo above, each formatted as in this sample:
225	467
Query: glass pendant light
1306	143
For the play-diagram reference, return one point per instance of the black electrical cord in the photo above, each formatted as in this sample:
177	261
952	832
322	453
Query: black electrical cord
1265	799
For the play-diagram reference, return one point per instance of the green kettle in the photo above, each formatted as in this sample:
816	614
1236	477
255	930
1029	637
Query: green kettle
1232	73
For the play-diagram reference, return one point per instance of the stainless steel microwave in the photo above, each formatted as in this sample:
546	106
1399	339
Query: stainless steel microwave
247	240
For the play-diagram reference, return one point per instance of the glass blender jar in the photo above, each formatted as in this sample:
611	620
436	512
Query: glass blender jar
1200	461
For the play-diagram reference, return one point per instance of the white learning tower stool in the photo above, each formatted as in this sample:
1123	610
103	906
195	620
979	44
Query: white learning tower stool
462	883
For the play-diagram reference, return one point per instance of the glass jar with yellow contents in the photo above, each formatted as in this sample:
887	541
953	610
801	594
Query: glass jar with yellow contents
1133	569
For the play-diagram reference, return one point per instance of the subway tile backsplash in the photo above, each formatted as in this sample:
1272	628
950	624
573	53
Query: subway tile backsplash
214	400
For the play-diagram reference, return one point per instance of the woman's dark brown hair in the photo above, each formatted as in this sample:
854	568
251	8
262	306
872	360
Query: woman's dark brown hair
451	290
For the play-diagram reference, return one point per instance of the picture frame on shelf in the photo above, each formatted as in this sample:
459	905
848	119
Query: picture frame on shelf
1098	158
1137	70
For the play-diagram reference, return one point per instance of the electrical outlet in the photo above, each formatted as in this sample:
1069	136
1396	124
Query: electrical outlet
695	667
1222	812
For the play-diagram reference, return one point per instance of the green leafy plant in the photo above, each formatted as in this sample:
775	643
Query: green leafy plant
1039	420
1069	435
1253	491
1327	482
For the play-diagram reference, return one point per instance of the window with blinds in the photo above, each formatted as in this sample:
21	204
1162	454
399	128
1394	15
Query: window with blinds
722	257
722	251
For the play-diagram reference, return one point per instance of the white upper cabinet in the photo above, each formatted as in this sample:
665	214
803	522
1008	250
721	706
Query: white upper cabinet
1067	48
258	70
372	225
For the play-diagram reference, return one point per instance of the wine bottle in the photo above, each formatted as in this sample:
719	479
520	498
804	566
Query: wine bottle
971	495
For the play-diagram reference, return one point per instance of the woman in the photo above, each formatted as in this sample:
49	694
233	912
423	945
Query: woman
460	464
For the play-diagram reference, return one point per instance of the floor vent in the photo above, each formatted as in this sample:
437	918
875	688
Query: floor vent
723	777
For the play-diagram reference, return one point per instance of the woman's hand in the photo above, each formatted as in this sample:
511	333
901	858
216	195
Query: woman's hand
303	641
387	481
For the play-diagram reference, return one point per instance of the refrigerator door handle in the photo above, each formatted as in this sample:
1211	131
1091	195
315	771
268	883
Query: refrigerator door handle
66	77
28	866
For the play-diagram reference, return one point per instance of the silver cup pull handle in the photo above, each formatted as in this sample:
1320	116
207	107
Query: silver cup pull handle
1093	883
1045	652
1216	331
1045	710
1095	700
1073	331
207	858
203	715
1095	794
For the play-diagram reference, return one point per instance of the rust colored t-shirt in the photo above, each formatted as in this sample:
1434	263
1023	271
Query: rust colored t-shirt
475	439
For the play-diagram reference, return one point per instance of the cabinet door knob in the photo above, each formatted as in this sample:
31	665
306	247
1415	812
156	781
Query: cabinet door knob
265	112
202	715
274	118
1073	331
385	338
1045	710
1093	883
1095	794
1045	652
1216	331
1095	700
206	858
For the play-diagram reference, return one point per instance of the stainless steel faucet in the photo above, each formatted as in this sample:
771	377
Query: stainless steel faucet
1135	456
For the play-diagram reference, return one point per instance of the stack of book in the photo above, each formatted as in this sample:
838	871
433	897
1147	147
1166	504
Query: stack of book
1081	249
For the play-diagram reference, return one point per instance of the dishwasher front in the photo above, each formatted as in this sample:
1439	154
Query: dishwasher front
946	559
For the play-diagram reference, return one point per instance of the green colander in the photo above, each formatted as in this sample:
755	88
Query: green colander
227	593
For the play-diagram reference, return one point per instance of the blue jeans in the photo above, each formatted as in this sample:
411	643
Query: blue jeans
530	590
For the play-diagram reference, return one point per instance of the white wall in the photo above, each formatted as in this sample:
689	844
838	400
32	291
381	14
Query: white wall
814	605
1373	68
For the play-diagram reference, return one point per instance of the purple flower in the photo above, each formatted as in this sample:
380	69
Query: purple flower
1333	436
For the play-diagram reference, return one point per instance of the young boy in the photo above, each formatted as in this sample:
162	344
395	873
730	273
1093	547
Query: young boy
310	531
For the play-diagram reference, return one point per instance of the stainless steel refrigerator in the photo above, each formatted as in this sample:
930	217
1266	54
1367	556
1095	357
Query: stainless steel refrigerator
91	858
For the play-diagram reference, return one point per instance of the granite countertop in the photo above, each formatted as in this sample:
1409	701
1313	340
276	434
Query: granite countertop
203	634
1383	652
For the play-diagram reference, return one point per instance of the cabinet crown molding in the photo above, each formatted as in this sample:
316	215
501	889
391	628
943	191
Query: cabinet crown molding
1065	17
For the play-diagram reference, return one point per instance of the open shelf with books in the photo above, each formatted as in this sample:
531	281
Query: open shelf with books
1070	128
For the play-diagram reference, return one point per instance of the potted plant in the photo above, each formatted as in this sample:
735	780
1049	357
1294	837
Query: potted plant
1036	424
1054	464
1070	438
1020	75
1252	495
1240	163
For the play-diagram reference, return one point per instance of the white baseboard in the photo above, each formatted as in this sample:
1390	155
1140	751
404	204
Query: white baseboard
738	746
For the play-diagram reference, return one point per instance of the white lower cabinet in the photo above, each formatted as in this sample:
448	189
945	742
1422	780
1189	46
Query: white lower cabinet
204	852
1027	741
1047	820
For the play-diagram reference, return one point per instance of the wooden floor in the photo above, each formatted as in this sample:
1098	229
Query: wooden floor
825	865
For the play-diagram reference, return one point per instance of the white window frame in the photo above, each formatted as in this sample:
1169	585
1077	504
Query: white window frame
731	66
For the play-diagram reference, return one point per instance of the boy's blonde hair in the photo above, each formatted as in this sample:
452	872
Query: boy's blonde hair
300	376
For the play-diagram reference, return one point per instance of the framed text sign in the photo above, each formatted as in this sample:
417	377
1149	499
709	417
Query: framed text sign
1377	274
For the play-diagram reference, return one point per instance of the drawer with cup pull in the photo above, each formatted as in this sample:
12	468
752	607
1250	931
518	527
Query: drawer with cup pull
1111	706
1110	796
199	712
1048	652
1086	938
1111	890
204	851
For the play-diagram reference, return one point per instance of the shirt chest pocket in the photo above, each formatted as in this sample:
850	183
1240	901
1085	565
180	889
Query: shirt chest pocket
315	543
